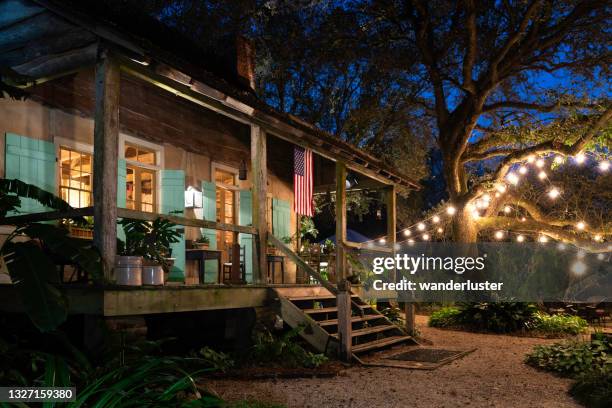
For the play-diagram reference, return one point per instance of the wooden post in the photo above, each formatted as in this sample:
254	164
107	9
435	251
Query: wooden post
409	310
391	224
260	186
343	298
106	138
340	221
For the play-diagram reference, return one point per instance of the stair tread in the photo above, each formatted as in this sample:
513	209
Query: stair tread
370	330
379	343
321	310
354	319
324	297
330	309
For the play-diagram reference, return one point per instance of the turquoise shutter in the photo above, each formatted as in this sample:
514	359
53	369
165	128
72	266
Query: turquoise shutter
173	202
281	218
121	192
31	161
209	212
246	240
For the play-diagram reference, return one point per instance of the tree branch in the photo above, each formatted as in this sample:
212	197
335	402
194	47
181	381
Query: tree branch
471	47
553	146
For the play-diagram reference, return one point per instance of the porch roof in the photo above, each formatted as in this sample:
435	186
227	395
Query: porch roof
48	38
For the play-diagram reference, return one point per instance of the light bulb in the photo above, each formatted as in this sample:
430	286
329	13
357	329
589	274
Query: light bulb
475	214
561	246
604	165
520	238
411	241
523	170
558	159
580	225
542	175
512	178
543	239
499	235
425	237
540	163
597	238
440	230
578	268
435	219
580	158
407	233
523	219
554	193
421	226
501	188
507	209
486	197
450	210
531	158
382	241
600	257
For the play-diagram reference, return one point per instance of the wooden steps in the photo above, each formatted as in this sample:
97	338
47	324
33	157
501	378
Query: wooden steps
371	331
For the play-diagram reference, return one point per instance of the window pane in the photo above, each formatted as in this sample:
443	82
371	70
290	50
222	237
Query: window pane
130	152
146	156
224	177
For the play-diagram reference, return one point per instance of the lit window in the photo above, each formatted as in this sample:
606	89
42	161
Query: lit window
140	177
140	189
225	177
140	154
76	169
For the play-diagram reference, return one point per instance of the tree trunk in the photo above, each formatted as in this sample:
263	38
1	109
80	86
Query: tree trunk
464	228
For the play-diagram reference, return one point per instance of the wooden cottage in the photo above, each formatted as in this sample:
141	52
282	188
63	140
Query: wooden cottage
133	121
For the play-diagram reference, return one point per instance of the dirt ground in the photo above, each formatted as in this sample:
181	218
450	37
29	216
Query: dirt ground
492	376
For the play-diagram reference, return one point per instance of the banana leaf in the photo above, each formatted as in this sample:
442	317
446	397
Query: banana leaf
34	275
21	189
60	243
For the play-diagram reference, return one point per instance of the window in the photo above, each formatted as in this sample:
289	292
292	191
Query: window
140	154
140	189
76	169
142	164
225	180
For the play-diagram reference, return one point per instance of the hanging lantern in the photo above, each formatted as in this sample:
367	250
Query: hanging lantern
242	170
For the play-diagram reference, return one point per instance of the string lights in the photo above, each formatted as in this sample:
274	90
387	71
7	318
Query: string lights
431	225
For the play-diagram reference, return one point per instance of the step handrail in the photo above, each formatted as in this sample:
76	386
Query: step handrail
301	263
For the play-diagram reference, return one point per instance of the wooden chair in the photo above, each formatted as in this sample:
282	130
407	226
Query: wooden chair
227	266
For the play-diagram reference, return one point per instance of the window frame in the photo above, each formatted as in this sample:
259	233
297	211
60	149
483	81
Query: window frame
159	159
76	146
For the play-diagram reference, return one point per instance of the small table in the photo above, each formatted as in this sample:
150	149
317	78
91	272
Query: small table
201	255
272	260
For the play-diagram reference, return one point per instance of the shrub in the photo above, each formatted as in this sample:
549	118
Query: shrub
594	389
500	317
445	317
217	360
283	350
573	358
557	324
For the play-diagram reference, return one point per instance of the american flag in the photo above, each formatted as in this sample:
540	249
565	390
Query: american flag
302	181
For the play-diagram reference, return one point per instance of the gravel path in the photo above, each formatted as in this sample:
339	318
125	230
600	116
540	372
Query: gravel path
492	376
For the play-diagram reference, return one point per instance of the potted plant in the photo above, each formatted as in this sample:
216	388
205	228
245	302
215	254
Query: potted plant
150	242
202	242
83	230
